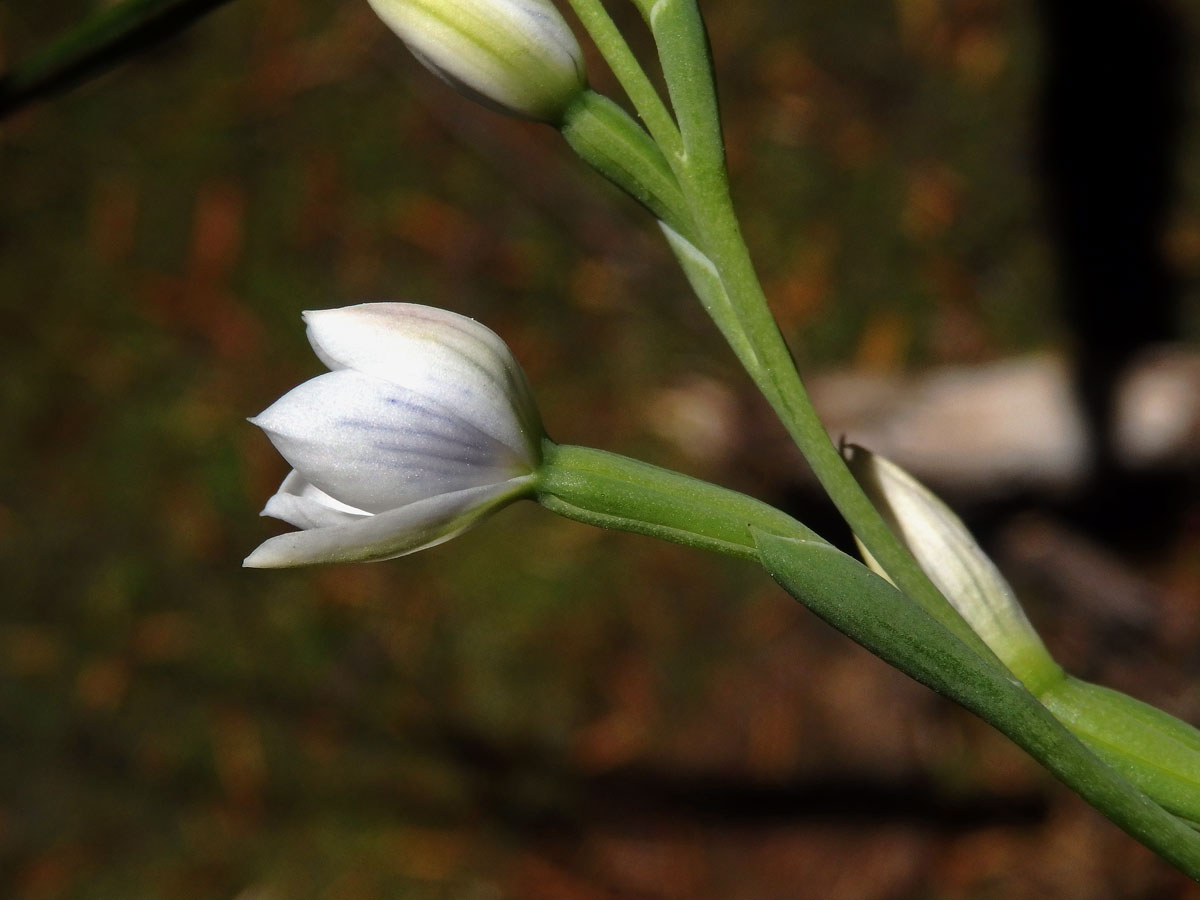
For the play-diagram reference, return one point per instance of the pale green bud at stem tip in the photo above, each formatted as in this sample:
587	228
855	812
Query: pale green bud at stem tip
955	563
424	425
516	56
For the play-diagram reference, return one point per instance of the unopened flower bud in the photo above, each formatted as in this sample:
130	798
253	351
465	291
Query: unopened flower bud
424	426
955	563
517	56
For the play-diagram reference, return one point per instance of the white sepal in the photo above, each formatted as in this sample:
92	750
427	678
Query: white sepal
394	533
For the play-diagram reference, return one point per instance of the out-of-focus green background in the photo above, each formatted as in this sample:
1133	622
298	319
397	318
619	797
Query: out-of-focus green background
535	710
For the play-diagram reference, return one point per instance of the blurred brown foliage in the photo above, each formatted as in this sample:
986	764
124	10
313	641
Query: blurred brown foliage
536	710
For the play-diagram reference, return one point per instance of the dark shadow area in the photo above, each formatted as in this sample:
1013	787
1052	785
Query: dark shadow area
529	787
1110	117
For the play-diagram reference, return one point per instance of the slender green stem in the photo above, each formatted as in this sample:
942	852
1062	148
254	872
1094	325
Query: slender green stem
97	44
779	381
683	49
630	74
683	46
708	286
612	491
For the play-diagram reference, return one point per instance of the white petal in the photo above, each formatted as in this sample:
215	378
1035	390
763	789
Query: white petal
439	354
390	534
301	504
375	446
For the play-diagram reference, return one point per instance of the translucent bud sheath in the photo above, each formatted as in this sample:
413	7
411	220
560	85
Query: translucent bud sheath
517	56
424	425
955	563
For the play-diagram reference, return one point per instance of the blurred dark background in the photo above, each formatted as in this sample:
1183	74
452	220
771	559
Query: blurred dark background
966	203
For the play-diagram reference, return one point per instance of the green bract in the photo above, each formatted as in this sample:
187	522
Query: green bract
517	56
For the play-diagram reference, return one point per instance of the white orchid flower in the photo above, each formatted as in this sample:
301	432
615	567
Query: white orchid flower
517	56
424	425
954	562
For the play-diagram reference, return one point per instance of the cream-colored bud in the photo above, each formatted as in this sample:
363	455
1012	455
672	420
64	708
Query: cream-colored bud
954	562
517	56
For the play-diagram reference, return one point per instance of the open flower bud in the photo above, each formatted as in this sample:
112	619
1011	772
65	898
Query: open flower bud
516	56
955	563
425	425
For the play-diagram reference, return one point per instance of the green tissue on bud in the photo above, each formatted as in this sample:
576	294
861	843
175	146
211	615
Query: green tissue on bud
516	56
1156	751
955	563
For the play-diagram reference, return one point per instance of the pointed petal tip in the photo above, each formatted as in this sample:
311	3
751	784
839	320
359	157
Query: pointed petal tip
273	554
254	561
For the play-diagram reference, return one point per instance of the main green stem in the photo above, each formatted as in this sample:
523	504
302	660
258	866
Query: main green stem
679	32
776	376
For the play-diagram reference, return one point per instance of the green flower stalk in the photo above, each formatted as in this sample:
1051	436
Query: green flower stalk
865	606
611	142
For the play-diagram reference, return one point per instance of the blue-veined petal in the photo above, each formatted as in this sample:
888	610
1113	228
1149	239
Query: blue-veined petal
376	446
446	357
